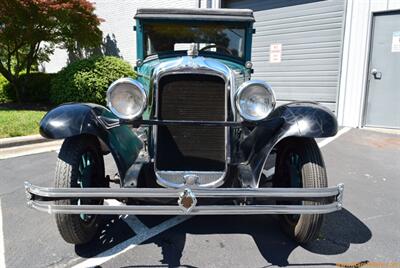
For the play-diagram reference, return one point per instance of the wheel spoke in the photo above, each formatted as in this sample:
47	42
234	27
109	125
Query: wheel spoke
84	161
88	160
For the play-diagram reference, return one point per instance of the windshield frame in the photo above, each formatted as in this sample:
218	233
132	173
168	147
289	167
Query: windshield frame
140	47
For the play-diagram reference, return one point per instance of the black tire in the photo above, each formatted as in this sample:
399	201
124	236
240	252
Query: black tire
74	228
312	174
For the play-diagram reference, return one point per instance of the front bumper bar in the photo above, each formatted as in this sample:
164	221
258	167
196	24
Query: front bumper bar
39	197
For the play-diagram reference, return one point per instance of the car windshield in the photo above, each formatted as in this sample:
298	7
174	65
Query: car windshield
165	38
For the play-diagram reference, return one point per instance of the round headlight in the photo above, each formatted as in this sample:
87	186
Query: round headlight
255	100
126	98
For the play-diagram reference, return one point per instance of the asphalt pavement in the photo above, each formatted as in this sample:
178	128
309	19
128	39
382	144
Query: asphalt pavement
366	230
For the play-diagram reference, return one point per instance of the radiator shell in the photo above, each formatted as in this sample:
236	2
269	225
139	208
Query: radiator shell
191	148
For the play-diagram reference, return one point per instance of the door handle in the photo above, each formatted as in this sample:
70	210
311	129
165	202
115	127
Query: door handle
377	75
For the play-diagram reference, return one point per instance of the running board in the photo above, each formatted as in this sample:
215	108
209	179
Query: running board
37	198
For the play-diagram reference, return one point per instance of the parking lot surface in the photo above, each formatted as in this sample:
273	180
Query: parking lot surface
366	230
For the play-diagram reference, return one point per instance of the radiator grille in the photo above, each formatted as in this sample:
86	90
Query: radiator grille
195	148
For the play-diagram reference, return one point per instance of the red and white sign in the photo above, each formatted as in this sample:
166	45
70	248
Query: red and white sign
275	53
396	42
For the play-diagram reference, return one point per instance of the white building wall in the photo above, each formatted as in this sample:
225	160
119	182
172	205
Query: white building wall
355	58
118	16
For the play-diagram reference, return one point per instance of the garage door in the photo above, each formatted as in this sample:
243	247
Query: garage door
297	47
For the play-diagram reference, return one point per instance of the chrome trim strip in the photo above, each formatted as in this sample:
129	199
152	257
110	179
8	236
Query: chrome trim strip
152	122
176	210
163	175
34	190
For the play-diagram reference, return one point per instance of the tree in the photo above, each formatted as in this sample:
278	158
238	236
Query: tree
30	30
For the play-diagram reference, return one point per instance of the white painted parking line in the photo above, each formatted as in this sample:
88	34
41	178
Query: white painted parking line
113	202
133	222
269	172
330	139
131	243
2	252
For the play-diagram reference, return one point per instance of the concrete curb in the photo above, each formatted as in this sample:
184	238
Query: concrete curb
24	140
29	149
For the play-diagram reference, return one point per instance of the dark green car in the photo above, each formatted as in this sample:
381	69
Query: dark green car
193	135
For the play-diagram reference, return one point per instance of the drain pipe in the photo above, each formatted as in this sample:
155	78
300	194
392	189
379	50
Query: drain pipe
216	3
209	3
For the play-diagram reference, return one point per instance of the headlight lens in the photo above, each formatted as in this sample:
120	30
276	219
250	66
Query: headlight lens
126	98
255	100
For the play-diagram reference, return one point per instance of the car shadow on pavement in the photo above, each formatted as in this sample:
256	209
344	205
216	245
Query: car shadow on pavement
339	231
114	231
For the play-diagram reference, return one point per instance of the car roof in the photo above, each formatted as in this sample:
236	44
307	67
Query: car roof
202	14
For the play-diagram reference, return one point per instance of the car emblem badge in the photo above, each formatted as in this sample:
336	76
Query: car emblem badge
187	200
190	179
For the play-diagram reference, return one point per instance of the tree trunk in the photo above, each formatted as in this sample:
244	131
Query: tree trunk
17	88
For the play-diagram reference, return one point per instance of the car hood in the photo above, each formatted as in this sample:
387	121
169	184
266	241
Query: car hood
147	70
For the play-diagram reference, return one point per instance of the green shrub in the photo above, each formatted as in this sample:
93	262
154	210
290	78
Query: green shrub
4	96
87	80
35	88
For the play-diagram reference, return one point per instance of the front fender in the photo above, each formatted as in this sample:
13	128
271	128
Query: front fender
297	119
307	119
74	119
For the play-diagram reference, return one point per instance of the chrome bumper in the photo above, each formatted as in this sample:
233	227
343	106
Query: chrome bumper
39	197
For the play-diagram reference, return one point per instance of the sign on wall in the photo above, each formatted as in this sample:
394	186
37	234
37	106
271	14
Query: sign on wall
275	53
396	42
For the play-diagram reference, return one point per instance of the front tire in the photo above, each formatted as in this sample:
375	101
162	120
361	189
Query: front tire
299	164
80	164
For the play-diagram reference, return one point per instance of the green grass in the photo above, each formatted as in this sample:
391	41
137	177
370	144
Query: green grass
15	123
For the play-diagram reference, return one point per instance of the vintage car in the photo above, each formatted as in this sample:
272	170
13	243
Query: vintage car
193	134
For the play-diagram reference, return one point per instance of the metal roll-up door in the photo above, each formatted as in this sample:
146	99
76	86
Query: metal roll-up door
307	57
